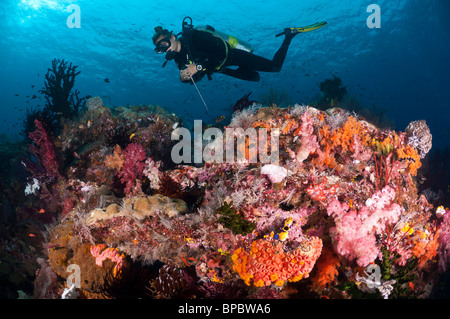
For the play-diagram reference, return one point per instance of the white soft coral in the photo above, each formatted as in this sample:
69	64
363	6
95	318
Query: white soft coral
152	172
275	173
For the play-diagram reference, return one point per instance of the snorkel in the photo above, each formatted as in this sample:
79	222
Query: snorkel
162	46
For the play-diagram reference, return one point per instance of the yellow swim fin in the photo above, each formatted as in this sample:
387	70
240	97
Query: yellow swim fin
308	28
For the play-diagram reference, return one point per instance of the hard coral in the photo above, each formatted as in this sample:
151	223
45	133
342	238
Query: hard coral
419	137
139	208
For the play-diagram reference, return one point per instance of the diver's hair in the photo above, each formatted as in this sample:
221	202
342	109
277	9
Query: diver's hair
159	31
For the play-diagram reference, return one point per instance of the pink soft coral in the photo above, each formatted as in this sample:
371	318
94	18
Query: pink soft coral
101	253
307	138
153	173
355	232
133	167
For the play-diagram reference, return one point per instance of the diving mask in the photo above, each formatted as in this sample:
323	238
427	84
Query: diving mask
163	45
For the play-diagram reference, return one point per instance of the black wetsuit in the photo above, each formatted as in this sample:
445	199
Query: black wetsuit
209	51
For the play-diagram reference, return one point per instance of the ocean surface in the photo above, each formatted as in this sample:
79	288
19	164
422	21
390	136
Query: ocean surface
400	67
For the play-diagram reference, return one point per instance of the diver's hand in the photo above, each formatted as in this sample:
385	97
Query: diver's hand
188	72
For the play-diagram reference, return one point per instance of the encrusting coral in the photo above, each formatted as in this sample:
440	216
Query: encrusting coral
341	197
266	263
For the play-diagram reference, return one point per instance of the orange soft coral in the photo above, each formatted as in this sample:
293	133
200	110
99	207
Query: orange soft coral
115	161
344	135
341	140
267	263
262	124
288	126
426	248
412	156
326	270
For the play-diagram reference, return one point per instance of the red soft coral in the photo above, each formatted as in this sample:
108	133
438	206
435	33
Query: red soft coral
44	152
132	169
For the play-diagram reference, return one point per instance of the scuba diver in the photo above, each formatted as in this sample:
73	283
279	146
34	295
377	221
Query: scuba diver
203	51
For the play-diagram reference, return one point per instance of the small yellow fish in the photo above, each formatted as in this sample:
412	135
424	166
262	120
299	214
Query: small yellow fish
283	235
223	252
220	118
407	229
132	135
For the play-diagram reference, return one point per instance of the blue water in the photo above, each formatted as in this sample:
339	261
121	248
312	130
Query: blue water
402	67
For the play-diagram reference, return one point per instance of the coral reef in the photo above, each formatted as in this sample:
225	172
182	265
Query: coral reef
336	214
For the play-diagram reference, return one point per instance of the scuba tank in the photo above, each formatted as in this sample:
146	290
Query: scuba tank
234	42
